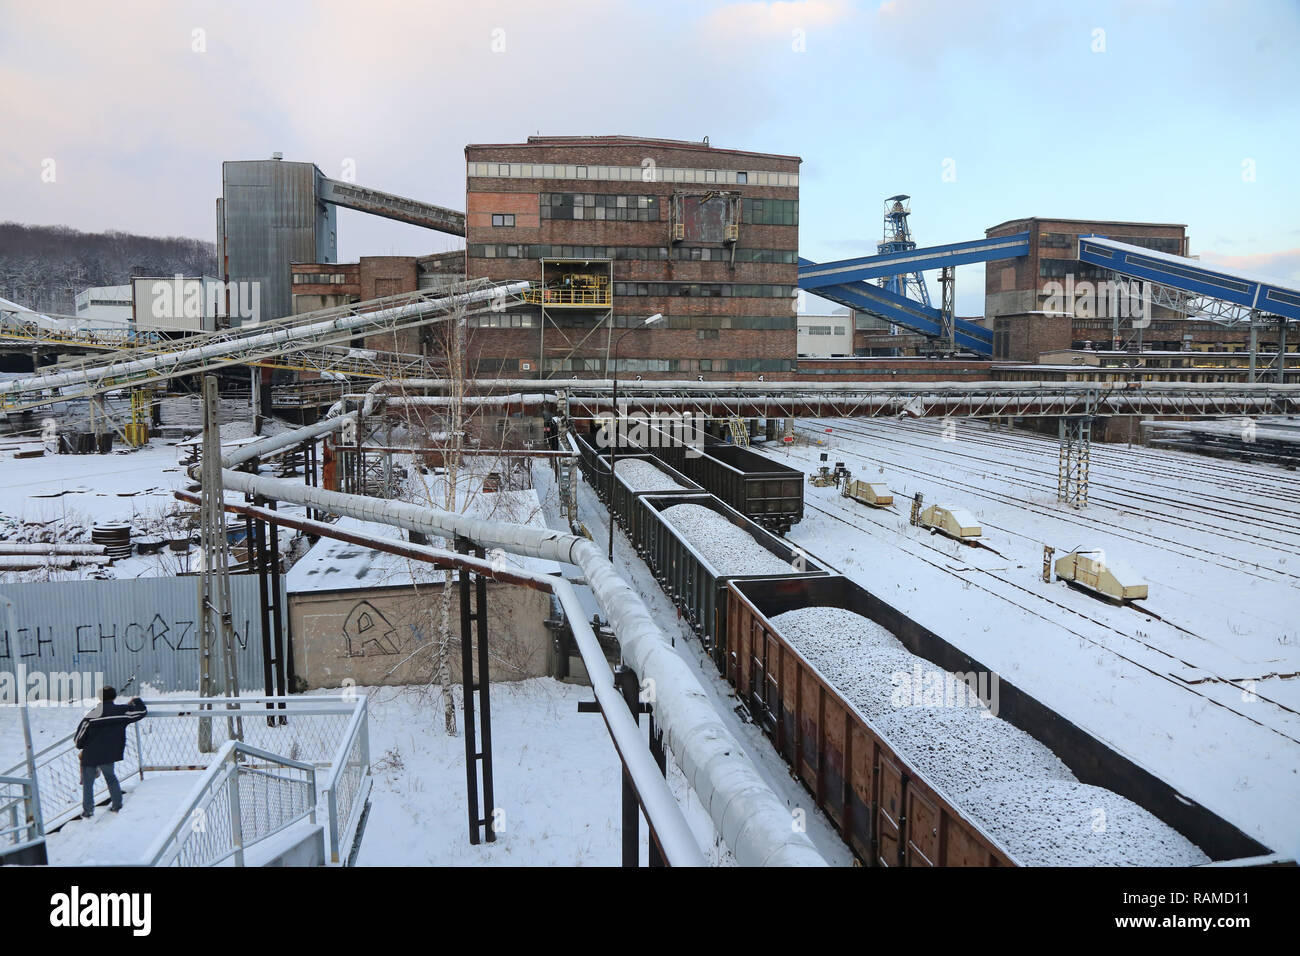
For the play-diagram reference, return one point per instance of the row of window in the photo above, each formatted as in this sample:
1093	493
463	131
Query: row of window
707	290
1169	244
531	319
634	365
481	250
648	173
504	320
771	212
599	206
1060	268
319	278
822	330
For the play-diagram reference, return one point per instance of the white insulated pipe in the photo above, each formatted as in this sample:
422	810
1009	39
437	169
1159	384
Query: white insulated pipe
274	443
671	829
751	820
279	336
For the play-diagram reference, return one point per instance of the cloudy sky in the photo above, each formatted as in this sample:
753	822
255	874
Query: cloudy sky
1163	110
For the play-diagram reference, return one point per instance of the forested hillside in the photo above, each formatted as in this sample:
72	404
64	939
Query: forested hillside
44	267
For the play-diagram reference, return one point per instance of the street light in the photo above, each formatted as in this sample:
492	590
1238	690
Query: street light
613	448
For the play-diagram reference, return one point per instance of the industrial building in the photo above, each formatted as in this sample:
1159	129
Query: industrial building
1047	300
613	229
273	213
826	336
105	305
327	285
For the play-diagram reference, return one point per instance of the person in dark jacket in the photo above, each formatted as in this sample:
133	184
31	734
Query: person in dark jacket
101	738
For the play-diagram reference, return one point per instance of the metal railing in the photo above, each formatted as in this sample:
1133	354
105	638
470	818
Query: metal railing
20	826
320	732
245	796
348	785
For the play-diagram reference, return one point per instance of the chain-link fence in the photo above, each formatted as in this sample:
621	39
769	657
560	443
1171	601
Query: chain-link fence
245	796
349	787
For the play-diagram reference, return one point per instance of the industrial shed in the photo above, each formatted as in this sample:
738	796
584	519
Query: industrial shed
362	615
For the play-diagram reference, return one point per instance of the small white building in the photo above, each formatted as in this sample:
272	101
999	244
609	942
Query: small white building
825	336
106	306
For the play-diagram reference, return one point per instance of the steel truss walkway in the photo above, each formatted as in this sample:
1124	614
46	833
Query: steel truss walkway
337	360
920	400
265	342
847	282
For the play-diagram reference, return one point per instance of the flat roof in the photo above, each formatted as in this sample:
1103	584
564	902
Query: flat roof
1089	222
622	140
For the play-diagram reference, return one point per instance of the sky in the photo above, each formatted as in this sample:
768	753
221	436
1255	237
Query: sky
117	116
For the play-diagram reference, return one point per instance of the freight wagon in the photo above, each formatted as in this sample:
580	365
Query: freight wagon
759	488
693	579
888	812
625	507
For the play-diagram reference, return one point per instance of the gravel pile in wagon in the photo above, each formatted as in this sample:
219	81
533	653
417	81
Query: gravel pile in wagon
728	549
1058	823
854	653
1018	790
639	475
963	748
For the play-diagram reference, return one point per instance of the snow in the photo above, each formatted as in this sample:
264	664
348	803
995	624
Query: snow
640	475
729	550
1207	699
333	565
122	838
556	775
961	748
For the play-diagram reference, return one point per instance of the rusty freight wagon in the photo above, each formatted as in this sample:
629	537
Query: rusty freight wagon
889	813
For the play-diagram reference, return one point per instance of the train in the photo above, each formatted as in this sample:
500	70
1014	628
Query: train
890	810
763	490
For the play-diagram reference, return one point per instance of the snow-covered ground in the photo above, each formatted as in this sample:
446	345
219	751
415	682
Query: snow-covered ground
556	775
61	497
1207	698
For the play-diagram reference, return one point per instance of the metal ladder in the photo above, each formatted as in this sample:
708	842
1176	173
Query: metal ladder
478	763
739	432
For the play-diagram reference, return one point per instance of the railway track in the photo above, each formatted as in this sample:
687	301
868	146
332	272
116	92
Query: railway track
1093	522
1224	506
1056	623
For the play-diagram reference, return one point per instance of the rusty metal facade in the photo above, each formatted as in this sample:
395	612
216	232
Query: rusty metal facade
271	217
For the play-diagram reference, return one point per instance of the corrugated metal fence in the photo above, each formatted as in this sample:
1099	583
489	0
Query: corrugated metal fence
146	626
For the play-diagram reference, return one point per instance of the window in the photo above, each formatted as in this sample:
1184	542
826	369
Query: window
742	178
706	333
771	212
503	219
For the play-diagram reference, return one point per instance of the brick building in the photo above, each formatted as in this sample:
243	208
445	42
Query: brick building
1025	299
325	285
612	229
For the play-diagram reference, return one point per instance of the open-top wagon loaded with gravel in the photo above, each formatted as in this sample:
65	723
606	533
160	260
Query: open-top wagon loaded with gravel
695	544
639	475
923	757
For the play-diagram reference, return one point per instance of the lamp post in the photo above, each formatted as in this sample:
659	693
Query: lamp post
613	448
